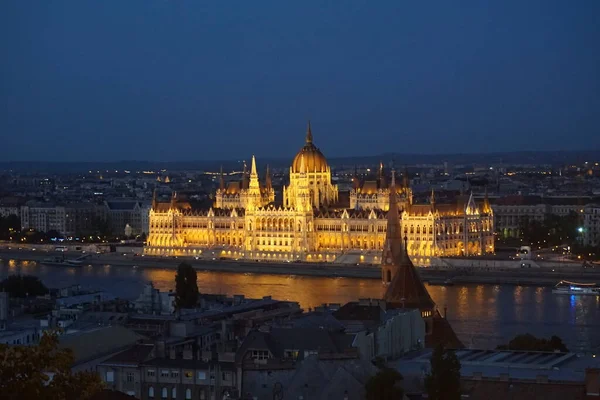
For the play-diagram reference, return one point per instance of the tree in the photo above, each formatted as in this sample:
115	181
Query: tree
9	225
186	287
100	227
385	385
443	382
23	286
528	342
43	372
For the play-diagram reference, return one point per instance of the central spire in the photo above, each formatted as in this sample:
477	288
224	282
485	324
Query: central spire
254	175
253	168
309	137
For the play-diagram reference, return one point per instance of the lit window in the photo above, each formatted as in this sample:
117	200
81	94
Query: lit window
164	393
110	376
188	394
202	375
151	392
174	393
260	354
188	374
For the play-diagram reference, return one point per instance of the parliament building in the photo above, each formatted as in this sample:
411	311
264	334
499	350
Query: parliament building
312	224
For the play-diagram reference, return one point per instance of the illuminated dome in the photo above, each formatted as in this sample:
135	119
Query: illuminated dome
314	160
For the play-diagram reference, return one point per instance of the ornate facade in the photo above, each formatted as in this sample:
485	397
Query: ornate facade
311	224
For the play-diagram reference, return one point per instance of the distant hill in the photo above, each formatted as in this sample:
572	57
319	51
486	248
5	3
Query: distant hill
519	157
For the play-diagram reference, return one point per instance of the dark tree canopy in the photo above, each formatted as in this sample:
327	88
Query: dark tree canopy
554	230
443	382
23	286
385	385
10	226
528	342
186	287
24	369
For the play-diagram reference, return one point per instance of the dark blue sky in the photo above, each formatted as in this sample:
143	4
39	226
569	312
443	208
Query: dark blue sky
189	80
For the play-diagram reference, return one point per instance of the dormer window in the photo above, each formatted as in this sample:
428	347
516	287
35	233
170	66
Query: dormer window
260	355
291	354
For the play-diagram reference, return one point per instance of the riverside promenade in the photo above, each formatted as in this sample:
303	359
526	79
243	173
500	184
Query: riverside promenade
544	276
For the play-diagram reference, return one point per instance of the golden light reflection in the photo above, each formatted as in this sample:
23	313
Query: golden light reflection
308	291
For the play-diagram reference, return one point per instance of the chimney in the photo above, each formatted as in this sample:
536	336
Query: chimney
592	382
160	349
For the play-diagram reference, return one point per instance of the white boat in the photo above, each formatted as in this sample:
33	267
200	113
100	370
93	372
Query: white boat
61	262
578	289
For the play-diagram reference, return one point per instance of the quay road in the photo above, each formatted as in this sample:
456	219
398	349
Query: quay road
525	276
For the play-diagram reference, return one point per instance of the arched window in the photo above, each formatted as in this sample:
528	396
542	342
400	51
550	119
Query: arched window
151	392
188	394
164	393
174	393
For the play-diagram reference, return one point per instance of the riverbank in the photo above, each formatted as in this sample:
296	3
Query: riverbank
492	276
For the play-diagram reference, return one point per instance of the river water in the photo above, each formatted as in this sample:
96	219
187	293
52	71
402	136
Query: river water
483	316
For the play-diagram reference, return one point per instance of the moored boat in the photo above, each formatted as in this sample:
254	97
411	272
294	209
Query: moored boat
61	262
574	288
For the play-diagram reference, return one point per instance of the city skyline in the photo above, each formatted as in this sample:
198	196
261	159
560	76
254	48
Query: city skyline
169	81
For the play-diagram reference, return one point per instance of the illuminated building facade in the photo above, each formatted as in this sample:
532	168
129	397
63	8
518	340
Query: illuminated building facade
311	225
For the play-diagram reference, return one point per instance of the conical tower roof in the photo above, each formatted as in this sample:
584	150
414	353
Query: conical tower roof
268	181
406	288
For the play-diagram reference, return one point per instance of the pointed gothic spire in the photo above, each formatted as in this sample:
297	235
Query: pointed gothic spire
432	198
253	170
309	136
174	200
471	208
268	183
254	175
393	247
406	288
486	202
154	198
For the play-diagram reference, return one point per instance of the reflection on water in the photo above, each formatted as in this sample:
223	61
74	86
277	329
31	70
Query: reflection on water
482	315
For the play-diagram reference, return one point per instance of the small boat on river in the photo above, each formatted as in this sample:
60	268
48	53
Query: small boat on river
58	261
578	289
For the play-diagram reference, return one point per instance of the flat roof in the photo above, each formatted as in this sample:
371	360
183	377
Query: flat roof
507	363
